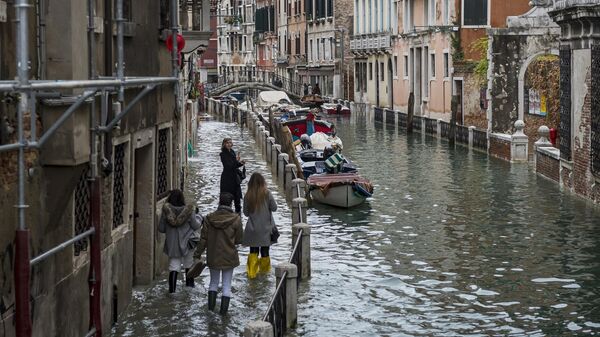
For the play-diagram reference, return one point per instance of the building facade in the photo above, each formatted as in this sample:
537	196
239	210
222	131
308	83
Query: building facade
139	161
235	39
413	46
329	61
265	35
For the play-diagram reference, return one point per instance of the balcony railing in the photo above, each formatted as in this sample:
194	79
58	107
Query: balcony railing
371	42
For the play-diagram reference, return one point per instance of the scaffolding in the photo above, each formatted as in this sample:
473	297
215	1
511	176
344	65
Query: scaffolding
27	91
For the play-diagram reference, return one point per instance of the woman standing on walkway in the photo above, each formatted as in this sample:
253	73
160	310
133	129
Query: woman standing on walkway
178	222
230	177
258	207
222	230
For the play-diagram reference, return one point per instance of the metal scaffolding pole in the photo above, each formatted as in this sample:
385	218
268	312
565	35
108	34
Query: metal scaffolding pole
22	265
120	49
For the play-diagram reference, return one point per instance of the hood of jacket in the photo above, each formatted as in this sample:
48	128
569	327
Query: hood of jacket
177	215
222	218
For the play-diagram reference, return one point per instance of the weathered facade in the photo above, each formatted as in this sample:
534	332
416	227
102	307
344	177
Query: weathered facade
235	31
141	159
579	96
265	33
512	51
329	27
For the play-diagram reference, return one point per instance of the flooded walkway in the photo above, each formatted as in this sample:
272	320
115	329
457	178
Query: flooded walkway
453	243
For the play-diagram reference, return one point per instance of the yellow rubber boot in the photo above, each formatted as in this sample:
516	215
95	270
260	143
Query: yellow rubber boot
264	264
252	266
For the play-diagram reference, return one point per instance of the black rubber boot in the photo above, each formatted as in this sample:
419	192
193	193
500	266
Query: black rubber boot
189	282
224	304
172	281
212	300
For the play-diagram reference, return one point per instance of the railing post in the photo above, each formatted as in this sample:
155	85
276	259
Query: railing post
439	127
275	150
282	158
291	291
299	206
265	142
304	248
260	138
471	129
258	329
230	113
270	143
289	176
257	126
298	188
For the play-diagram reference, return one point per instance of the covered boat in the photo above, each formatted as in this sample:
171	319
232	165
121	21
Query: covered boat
298	126
340	189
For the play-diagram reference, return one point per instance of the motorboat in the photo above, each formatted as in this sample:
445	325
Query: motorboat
298	126
339	189
332	109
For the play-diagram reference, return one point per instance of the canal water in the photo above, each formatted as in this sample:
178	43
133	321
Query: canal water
453	243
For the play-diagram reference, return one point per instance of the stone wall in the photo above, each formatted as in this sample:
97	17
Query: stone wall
547	163
499	147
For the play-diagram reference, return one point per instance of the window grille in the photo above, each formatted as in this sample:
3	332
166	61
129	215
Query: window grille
595	110
161	179
565	102
119	185
81	201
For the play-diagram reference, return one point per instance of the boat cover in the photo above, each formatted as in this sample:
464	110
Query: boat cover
326	181
268	98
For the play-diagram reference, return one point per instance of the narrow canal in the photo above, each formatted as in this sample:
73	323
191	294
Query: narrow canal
453	243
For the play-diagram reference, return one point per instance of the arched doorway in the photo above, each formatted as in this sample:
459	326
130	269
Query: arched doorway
390	83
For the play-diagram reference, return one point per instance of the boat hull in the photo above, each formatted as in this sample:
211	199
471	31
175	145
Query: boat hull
340	196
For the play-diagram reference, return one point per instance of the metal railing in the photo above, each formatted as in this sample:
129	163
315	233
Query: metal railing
258	76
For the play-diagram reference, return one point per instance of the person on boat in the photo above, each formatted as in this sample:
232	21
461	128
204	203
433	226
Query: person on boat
310	122
310	89
335	140
221	232
316	90
305	142
231	179
178	222
259	206
305	86
334	161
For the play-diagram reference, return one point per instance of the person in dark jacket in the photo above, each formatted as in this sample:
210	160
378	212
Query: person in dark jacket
178	222
230	178
221	232
316	90
259	206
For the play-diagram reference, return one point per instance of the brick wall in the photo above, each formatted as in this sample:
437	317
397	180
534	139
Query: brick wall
499	148
547	166
582	175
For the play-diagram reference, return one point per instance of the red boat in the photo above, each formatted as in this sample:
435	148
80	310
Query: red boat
298	126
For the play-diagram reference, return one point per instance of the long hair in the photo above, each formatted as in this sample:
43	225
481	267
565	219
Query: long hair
176	198
257	192
225	140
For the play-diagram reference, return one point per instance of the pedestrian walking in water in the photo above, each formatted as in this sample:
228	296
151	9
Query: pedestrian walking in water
258	207
221	232
179	224
231	177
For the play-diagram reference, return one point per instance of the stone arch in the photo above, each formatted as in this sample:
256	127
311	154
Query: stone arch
523	72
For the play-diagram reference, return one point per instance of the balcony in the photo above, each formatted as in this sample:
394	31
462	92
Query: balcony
371	43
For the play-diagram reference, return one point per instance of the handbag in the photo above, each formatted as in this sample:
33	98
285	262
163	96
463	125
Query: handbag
242	173
274	234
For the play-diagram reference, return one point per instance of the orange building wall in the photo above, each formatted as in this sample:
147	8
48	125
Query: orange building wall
499	11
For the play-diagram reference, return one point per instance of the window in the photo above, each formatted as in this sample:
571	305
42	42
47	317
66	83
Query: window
162	163
119	185
425	67
426	12
446	65
432	65
370	71
405	65
382	72
395	65
81	204
310	52
406	17
475	12
432	11
309	9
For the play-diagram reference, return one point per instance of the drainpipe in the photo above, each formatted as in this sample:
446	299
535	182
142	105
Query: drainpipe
120	50
40	19
22	267
174	51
